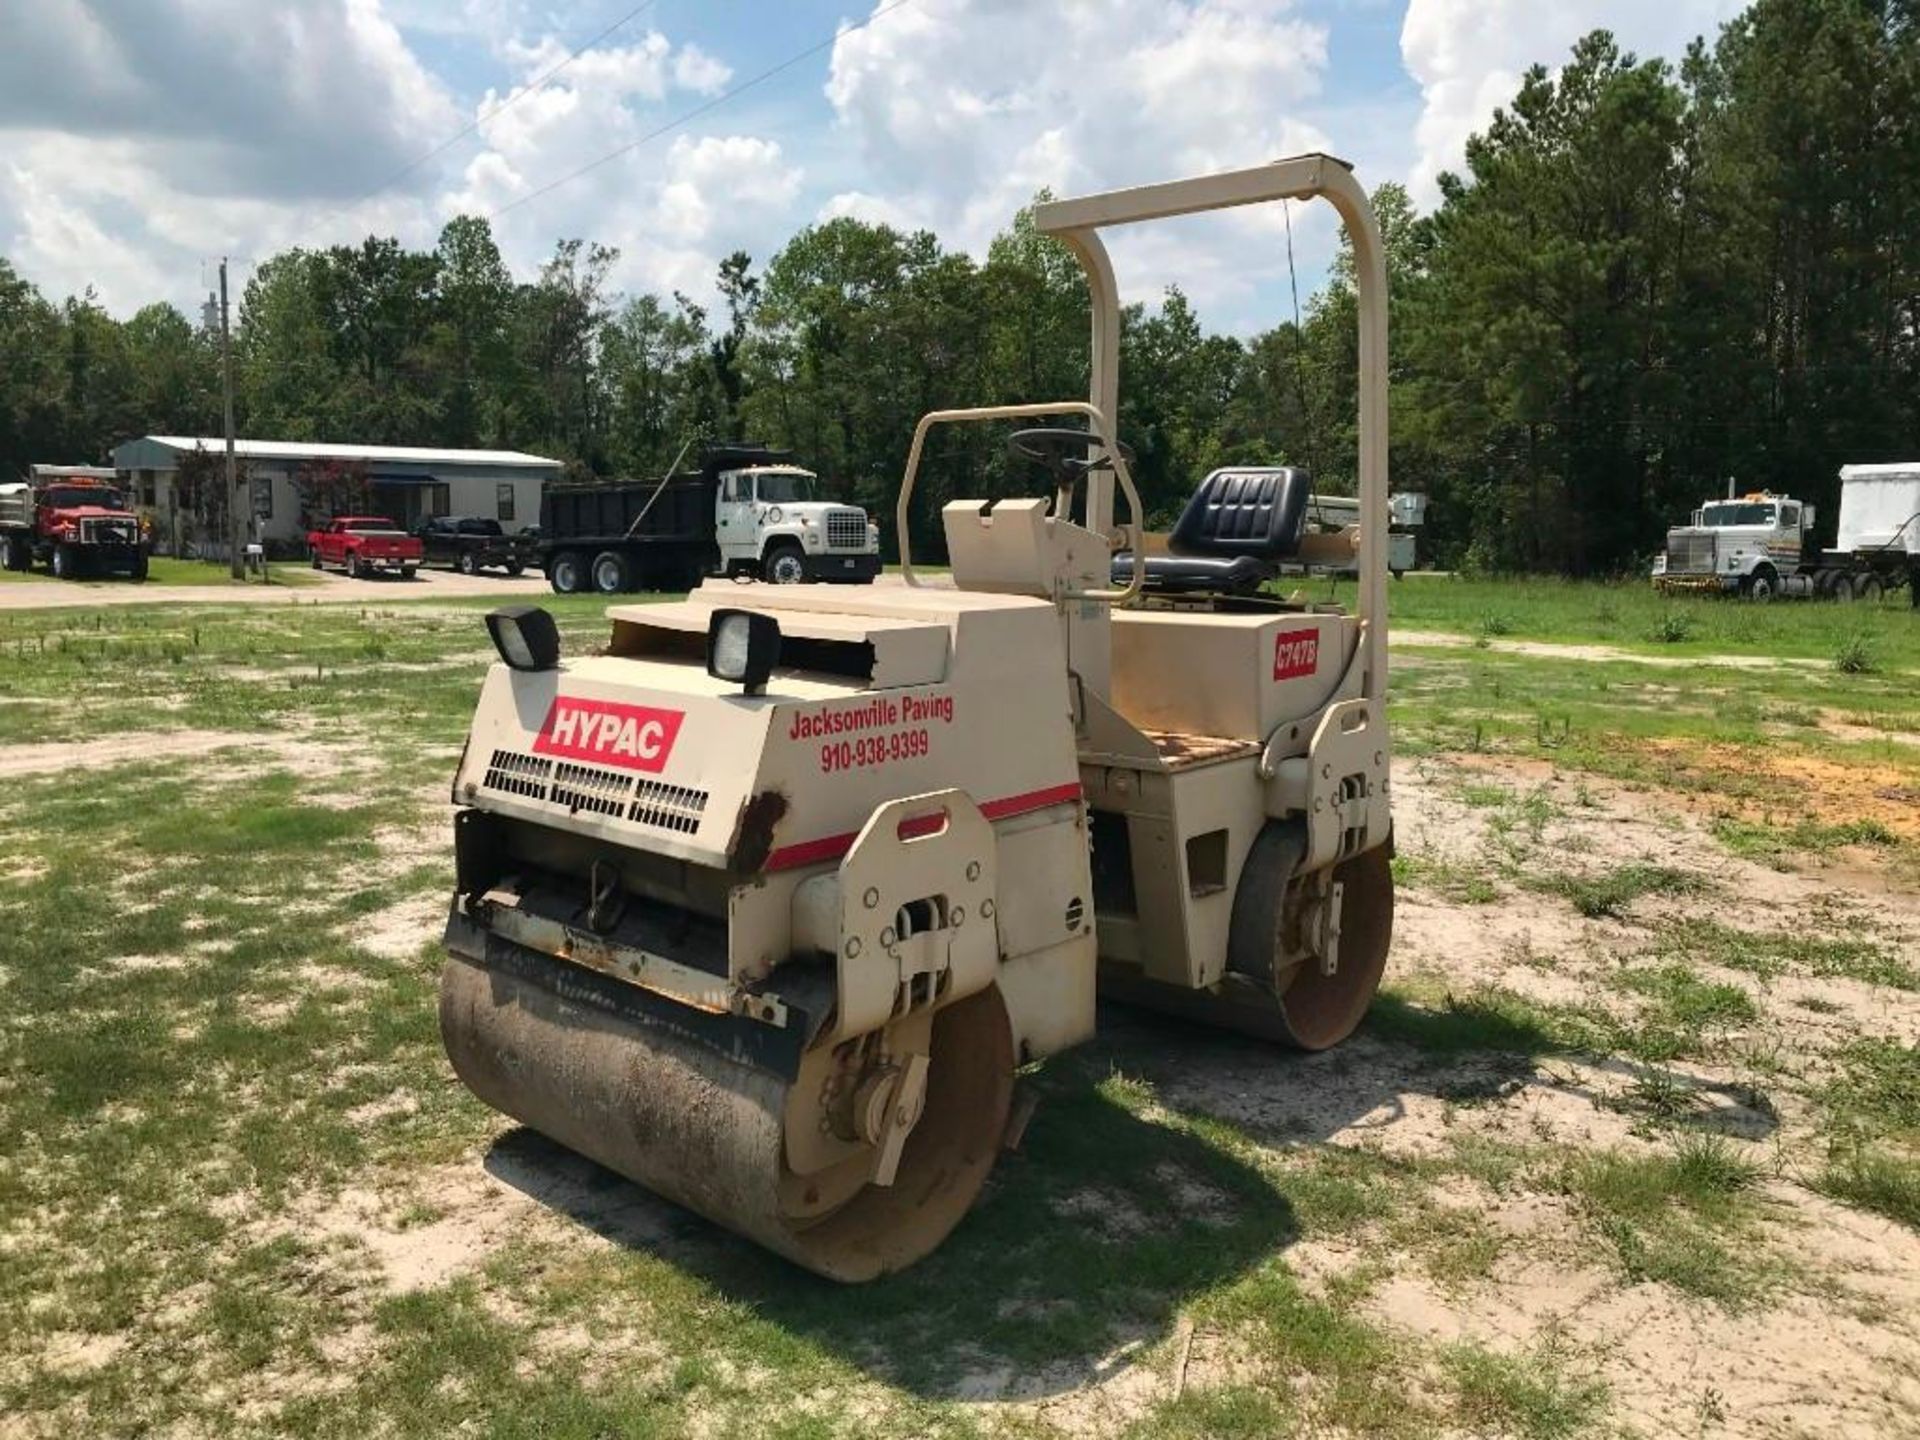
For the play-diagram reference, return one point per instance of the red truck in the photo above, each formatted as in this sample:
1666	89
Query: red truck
364	545
73	526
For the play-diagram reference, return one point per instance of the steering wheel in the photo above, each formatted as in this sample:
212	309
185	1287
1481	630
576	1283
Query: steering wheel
1062	452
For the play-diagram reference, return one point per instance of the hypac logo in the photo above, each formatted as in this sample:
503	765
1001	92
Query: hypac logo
634	737
1295	652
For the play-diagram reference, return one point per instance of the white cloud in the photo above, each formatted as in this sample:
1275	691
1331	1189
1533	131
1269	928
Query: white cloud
672	211
138	141
961	110
1469	57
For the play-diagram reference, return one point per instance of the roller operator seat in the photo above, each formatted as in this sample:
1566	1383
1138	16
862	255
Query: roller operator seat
1238	527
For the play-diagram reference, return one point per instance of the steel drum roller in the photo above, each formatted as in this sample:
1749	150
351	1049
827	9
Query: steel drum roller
708	1131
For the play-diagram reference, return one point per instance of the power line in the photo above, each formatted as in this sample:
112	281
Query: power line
515	98
702	109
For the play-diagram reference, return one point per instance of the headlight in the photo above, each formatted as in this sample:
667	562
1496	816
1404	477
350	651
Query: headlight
743	646
525	636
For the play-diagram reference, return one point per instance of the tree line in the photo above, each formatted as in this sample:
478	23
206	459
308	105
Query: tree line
1650	279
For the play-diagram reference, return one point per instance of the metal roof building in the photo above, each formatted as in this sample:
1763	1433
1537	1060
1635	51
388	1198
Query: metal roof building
409	483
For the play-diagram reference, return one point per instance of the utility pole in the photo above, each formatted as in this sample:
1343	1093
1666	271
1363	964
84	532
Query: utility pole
235	525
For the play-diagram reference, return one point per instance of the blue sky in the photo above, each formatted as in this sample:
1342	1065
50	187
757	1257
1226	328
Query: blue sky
139	138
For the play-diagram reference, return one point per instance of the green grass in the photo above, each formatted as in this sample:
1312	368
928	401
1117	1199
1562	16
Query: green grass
1529	1395
1683	1218
1802	838
168	1132
1607	895
1462	884
1872	1180
166	570
1632	615
1771	953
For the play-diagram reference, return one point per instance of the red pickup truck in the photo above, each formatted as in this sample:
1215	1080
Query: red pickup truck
364	544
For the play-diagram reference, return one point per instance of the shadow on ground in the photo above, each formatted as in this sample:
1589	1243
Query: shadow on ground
1126	1199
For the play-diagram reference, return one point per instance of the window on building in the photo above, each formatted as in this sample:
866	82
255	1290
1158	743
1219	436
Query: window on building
440	498
146	489
503	499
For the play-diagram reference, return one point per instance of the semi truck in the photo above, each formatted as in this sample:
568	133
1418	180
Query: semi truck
1763	546
745	510
73	523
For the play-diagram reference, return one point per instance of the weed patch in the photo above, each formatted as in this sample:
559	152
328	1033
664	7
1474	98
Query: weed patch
1770	953
1874	1180
1856	656
1607	895
1682	1219
1530	1395
1461	884
1675	627
1776	844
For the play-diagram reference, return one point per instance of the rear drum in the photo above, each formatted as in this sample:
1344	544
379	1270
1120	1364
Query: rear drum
709	1132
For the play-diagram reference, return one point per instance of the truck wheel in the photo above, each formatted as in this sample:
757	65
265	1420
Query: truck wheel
784	566
611	574
567	573
65	562
1763	585
1870	589
468	563
514	572
14	553
1843	588
407	572
138	570
353	565
313	558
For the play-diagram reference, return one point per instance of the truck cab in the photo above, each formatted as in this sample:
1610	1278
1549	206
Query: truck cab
1755	545
76	526
770	521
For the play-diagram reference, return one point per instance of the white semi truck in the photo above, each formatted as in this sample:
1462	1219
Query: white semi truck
1763	546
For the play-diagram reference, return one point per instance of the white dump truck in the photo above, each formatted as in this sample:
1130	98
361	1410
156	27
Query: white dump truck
743	510
1763	546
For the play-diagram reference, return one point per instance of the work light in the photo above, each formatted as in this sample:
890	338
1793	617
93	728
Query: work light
525	636
743	646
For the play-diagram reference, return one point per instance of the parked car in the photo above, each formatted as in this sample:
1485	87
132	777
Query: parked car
470	544
365	545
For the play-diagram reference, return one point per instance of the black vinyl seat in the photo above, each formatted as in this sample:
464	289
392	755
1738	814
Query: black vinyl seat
1238	527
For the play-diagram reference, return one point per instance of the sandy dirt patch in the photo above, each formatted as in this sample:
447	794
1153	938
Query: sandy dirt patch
1550	650
327	588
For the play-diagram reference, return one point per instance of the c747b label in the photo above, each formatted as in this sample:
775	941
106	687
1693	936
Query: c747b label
1295	653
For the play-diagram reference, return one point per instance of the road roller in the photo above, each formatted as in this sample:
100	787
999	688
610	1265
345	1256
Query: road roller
765	904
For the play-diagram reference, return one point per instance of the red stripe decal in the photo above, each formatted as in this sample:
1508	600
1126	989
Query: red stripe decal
832	847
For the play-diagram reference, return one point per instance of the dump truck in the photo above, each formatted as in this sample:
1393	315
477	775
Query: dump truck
763	905
74	521
744	510
1764	546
